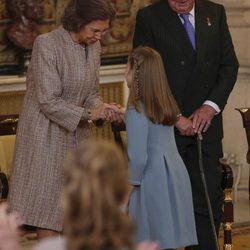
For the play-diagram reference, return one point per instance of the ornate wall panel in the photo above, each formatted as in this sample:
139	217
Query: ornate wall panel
235	141
116	43
118	39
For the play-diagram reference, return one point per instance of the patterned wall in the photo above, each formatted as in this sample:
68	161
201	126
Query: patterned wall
117	41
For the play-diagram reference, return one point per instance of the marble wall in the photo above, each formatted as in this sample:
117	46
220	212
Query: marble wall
235	142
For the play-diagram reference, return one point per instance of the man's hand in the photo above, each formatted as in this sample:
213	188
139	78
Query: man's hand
184	125
202	118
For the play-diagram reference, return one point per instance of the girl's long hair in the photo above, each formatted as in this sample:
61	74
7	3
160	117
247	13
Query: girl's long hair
96	184
150	87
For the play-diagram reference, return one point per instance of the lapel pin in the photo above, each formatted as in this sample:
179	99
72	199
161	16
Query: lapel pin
208	22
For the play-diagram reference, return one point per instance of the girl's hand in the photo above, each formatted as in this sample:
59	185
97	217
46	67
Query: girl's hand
125	203
147	245
184	125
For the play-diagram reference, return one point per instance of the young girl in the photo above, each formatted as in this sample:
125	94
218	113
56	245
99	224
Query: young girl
161	198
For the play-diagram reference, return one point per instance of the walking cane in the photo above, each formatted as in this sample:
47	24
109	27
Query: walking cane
203	178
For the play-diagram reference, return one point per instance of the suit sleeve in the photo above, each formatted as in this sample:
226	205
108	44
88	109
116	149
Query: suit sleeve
137	139
142	34
49	87
228	68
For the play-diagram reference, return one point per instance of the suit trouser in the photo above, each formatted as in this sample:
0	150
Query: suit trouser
210	153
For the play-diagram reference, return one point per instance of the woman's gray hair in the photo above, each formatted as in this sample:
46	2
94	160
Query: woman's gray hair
78	13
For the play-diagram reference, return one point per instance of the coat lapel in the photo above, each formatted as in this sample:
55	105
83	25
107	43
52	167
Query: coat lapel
203	25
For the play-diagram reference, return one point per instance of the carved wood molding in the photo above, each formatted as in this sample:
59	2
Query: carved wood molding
108	74
238	12
235	4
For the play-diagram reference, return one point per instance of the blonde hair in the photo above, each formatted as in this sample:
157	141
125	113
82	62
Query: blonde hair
96	184
150	86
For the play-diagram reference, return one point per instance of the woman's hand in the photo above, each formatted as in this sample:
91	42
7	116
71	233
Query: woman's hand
97	113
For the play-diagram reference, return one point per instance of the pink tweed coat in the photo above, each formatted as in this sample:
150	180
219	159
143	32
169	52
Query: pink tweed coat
61	81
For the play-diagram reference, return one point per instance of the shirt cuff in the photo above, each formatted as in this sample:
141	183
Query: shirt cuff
213	105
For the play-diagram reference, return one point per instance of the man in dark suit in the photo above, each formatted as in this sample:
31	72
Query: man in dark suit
201	71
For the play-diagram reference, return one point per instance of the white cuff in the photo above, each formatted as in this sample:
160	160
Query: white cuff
213	105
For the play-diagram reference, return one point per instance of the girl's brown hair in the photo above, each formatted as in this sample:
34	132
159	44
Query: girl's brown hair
96	185
78	13
150	87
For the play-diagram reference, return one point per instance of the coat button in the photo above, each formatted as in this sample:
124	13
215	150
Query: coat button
182	62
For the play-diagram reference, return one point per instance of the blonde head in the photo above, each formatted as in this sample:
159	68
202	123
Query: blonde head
150	86
96	184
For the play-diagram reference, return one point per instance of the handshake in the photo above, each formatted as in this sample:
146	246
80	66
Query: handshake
111	112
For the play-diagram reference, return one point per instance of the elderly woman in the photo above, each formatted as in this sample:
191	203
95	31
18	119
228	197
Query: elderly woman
62	97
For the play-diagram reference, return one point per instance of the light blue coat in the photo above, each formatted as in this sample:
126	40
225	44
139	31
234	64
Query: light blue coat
161	203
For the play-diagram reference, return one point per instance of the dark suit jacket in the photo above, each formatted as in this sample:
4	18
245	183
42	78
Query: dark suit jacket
194	77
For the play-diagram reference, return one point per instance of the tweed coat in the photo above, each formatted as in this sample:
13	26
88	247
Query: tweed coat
61	80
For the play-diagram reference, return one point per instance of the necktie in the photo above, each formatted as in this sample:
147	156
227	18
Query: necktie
189	28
